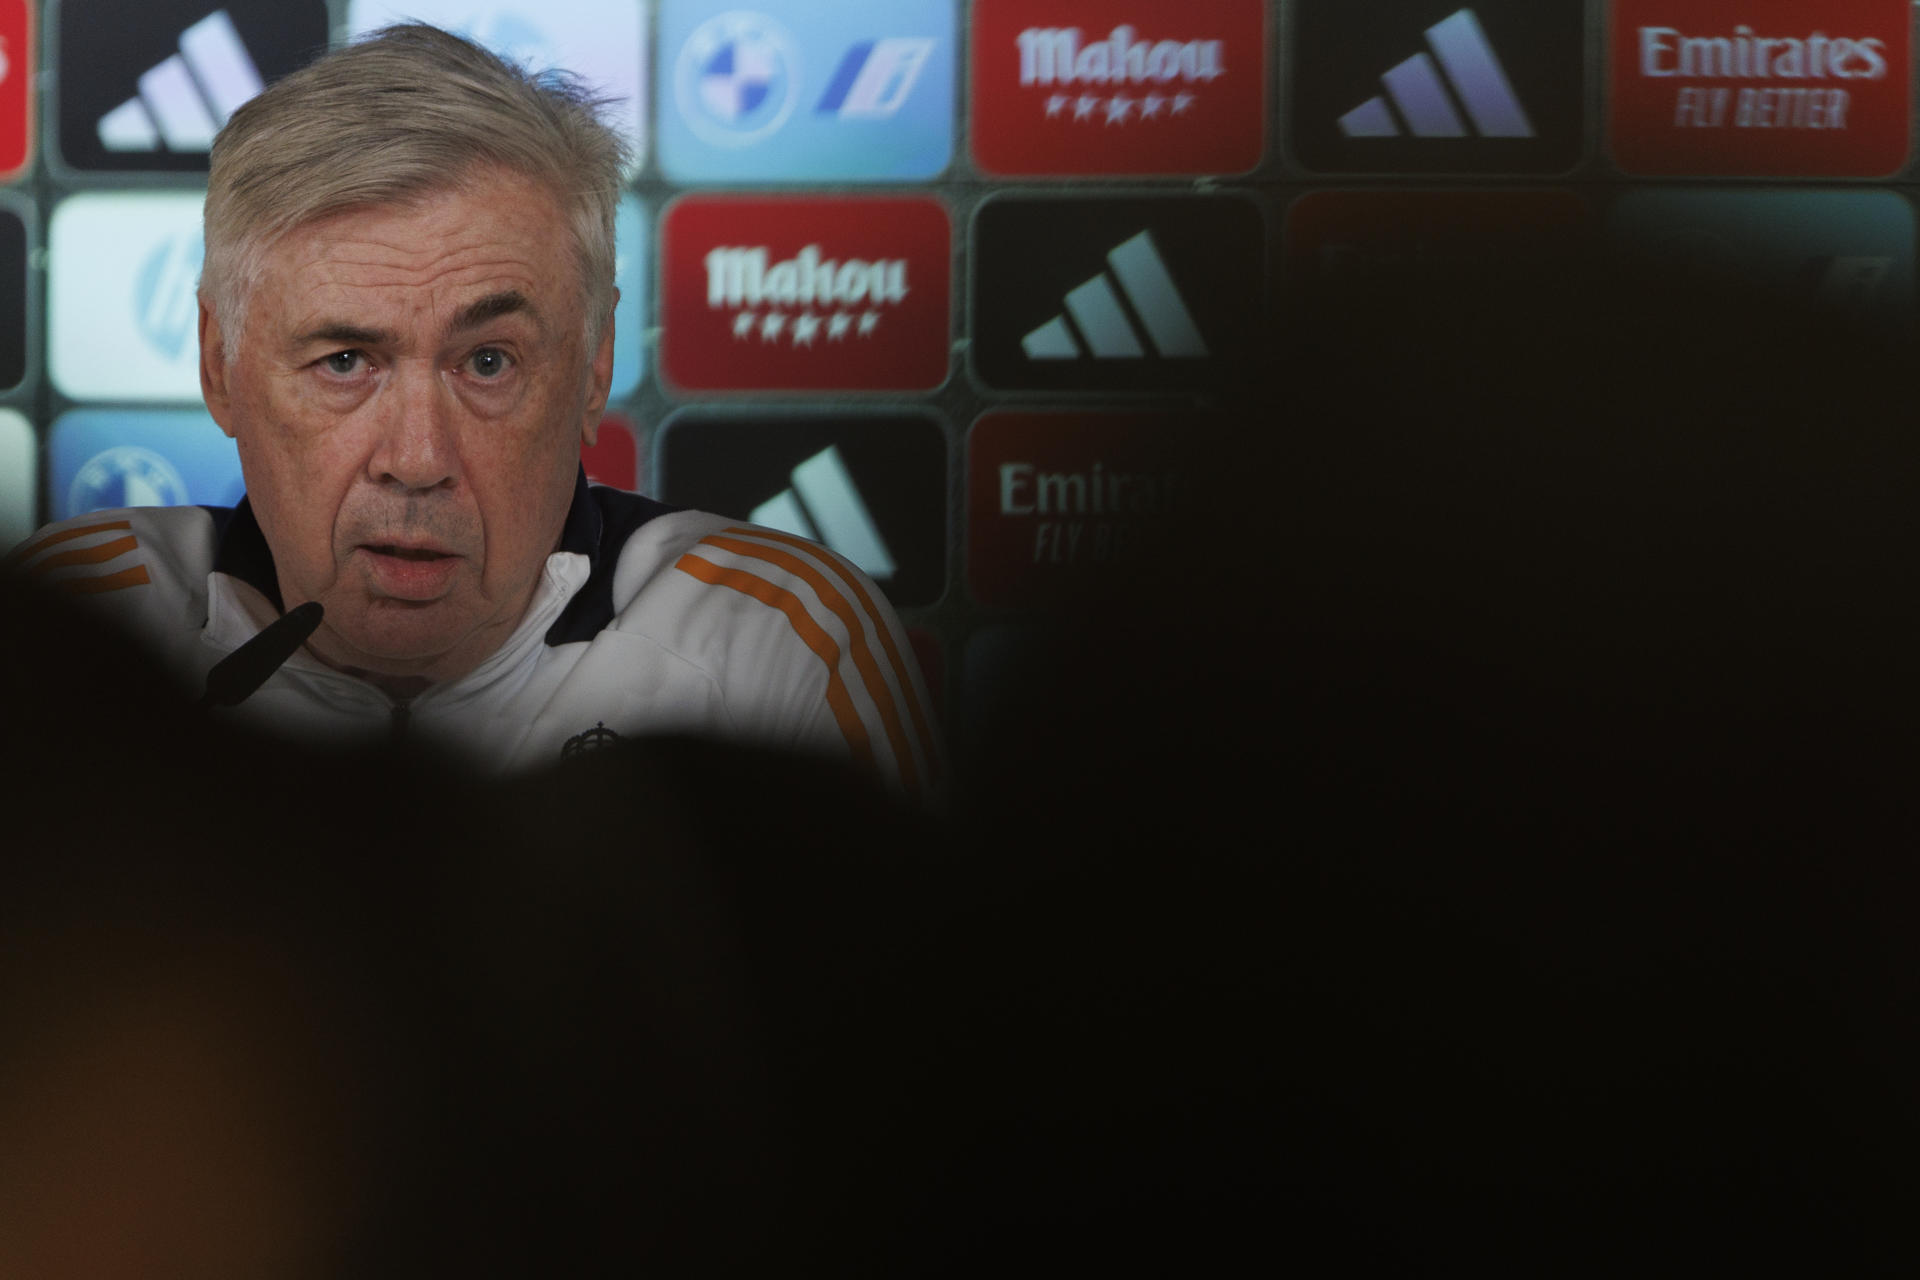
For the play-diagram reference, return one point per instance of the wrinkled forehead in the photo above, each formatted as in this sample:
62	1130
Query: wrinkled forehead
429	256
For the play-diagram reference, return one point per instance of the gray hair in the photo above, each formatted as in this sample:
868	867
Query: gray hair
408	112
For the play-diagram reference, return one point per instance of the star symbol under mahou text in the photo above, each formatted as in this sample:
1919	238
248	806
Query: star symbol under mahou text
1121	108
803	329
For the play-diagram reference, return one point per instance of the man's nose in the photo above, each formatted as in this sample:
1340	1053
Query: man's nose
416	448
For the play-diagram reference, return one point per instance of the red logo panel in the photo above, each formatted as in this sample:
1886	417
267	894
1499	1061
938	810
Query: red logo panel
1340	240
805	294
1133	87
16	86
1061	504
1789	88
614	456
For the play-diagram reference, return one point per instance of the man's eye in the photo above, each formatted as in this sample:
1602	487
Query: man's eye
343	363
489	362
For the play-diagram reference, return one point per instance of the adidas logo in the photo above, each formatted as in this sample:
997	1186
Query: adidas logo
1099	322
1423	95
825	506
185	100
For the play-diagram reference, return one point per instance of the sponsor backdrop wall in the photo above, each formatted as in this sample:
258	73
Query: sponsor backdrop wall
938	282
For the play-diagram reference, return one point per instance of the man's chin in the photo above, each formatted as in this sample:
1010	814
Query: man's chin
399	638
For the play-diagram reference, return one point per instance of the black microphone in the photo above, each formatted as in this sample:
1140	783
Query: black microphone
235	677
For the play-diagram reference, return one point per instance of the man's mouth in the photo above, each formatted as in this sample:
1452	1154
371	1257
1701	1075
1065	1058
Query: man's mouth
407	553
418	573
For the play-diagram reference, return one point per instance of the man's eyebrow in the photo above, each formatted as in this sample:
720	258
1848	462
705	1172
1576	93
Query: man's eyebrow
346	335
471	316
492	307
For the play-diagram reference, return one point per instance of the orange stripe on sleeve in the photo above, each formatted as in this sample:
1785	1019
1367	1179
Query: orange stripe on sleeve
87	555
33	549
809	632
921	725
134	577
862	656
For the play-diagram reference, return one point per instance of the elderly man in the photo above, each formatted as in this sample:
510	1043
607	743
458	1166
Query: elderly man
406	324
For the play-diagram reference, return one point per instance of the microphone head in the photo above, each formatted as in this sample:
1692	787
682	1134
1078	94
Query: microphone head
303	619
238	674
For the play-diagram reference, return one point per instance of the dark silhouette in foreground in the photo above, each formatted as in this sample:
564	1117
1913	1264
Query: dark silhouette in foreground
1484	839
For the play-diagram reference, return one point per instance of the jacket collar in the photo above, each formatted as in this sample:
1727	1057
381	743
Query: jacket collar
598	524
243	553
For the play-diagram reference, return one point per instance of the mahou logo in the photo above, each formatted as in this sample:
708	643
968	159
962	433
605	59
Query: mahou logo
805	294
1137	87
1341	243
1789	88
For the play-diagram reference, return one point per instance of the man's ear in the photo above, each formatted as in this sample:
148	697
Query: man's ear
213	370
599	381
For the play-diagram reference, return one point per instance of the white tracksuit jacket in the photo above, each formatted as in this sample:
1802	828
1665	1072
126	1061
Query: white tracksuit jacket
647	620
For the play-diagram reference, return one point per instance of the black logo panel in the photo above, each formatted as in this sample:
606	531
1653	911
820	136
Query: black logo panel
1438	86
13	299
144	87
1116	295
873	489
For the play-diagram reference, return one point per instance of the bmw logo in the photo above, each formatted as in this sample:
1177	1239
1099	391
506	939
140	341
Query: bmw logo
126	476
736	79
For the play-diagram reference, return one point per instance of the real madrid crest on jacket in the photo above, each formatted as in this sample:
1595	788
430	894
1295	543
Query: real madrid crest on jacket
648	620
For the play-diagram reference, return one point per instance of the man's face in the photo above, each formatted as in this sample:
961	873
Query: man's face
409	398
